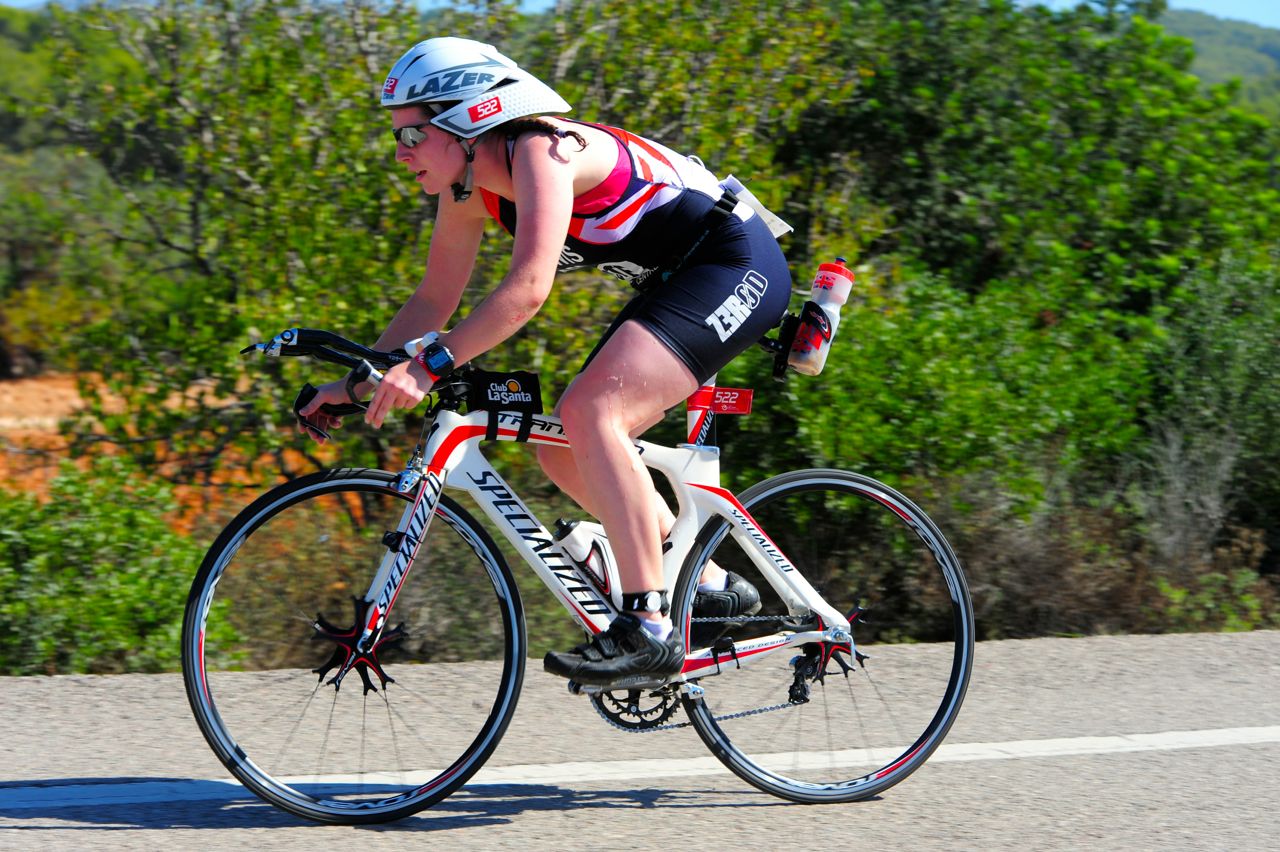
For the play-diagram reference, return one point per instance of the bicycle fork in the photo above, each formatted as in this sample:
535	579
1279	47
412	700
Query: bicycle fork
402	549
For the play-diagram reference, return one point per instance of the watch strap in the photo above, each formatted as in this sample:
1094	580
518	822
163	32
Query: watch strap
433	353
421	360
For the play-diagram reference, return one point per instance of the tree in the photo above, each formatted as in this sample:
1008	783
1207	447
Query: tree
259	197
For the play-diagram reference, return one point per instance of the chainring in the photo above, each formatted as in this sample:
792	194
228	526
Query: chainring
634	710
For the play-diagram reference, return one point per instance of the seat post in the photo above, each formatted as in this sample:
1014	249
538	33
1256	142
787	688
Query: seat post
706	402
699	418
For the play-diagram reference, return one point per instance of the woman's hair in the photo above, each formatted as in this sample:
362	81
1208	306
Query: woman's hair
519	126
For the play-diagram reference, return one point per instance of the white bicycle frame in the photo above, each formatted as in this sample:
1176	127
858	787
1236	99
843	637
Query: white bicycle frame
453	458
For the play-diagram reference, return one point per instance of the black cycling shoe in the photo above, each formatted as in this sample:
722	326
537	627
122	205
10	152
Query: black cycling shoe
624	654
738	598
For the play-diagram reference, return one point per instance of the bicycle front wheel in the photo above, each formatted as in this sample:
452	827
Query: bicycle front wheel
269	623
818	723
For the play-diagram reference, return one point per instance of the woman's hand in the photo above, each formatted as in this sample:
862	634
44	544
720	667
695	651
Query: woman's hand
334	393
404	386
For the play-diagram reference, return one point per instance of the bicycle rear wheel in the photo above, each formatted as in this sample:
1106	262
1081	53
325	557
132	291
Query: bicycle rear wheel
263	639
810	725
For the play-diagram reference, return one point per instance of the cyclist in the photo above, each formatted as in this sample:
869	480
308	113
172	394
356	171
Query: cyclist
475	129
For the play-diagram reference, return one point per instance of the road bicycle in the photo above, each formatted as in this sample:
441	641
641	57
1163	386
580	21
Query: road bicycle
842	685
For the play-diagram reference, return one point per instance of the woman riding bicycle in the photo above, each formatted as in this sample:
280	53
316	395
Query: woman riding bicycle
711	277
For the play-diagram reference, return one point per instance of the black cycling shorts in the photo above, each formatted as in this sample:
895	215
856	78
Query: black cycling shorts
729	293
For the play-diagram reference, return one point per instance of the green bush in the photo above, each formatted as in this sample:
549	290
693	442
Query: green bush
93	579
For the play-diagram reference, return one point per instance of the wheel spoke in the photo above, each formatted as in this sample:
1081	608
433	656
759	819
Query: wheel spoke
872	554
447	673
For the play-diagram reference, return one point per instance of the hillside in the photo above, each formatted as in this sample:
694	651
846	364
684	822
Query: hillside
1228	50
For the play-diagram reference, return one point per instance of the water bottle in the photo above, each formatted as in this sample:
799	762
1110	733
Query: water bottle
588	546
820	317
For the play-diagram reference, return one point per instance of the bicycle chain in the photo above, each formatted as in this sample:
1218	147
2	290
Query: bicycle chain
744	618
674	726
728	716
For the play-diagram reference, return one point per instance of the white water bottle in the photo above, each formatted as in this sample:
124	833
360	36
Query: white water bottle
820	317
588	547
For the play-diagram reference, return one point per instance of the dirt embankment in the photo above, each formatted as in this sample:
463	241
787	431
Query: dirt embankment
34	406
30	409
31	448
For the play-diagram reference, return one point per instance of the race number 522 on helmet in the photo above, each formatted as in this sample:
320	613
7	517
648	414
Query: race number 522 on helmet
470	86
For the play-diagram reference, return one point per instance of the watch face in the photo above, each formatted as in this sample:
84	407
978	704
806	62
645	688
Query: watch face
438	360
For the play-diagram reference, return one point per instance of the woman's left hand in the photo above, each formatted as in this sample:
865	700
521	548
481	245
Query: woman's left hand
403	386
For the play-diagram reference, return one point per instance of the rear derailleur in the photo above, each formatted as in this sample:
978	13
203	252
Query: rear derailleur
813	667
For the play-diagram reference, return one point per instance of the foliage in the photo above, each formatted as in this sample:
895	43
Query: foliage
94	579
1213	456
1226	49
58	267
1063	340
258	198
1086	160
1217	601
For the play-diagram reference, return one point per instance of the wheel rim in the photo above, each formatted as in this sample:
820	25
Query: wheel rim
261	672
864	547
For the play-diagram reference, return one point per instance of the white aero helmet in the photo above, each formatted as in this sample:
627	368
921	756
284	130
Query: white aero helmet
470	86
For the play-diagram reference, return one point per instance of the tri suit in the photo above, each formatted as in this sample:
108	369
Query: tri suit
727	294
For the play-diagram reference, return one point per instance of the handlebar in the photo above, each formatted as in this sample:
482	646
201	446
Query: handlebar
326	346
367	365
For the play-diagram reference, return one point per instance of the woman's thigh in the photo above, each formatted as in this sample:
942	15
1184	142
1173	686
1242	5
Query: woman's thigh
630	383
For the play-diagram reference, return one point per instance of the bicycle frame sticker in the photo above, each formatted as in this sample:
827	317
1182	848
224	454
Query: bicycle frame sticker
748	525
455	448
396	565
710	400
527	534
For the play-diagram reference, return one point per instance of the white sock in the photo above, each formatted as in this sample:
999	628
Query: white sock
659	627
715	585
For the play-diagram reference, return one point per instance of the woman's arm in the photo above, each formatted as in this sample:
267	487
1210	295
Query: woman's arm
455	240
542	179
542	182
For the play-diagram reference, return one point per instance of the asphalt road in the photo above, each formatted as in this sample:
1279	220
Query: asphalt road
1134	742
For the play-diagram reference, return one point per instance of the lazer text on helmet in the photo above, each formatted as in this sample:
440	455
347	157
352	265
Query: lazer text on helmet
448	81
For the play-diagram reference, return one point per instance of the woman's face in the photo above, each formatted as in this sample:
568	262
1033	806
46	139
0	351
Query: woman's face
436	161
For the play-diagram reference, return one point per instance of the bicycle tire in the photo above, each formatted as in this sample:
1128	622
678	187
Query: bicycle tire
861	544
254	652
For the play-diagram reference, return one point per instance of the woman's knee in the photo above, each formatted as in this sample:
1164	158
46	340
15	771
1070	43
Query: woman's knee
584	408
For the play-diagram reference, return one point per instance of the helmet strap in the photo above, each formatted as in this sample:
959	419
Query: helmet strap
462	191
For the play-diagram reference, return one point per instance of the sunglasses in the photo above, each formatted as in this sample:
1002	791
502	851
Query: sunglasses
410	134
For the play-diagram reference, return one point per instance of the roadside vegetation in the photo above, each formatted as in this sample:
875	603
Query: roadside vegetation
1065	343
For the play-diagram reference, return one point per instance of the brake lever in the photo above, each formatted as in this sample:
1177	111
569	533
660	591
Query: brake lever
307	394
364	372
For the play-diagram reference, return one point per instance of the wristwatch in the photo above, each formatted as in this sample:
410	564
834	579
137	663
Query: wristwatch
436	359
